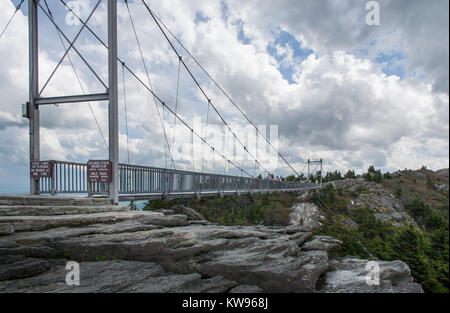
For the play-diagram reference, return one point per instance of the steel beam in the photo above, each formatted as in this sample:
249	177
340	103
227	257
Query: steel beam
33	87
113	101
72	99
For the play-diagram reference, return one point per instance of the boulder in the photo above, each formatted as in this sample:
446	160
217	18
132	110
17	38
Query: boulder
322	243
307	215
190	213
352	275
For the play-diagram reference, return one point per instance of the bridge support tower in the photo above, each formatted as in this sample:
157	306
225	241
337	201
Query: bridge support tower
317	166
111	95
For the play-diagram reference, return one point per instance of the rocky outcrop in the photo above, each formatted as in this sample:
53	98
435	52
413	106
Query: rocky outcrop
190	213
307	215
304	195
14	267
36	223
443	172
352	275
322	243
117	276
381	202
259	256
27	200
154	252
29	210
441	187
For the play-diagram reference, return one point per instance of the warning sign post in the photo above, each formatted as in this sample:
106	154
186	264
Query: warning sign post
41	169
99	171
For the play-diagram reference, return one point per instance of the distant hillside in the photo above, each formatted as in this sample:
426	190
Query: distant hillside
402	216
443	172
421	188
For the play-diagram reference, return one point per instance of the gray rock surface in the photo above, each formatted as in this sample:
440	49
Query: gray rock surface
246	289
443	172
29	210
190	213
378	200
352	275
153	252
306	214
266	257
51	201
441	187
36	223
14	267
6	228
117	276
322	243
303	195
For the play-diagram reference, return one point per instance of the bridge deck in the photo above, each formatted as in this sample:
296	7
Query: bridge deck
183	195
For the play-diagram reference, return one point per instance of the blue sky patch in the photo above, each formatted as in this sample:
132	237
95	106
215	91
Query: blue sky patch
284	39
225	10
200	18
391	62
241	35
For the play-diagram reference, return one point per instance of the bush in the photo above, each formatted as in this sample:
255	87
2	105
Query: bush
418	209
425	253
398	192
272	209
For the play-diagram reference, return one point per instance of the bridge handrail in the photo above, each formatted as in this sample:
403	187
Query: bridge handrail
71	177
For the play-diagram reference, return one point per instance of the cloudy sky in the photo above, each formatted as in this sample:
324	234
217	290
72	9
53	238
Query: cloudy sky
338	89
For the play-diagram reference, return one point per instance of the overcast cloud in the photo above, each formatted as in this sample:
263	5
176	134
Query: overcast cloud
339	89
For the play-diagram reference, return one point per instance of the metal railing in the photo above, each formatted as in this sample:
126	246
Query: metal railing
71	177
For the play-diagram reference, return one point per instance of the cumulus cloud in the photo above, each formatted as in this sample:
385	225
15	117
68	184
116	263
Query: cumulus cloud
418	28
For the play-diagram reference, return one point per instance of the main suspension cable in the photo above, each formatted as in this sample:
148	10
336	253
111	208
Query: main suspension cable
11	18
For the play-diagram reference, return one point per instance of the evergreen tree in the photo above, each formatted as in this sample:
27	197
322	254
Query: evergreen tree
350	174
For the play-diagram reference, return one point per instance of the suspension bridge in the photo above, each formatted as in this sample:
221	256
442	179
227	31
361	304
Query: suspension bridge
119	181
